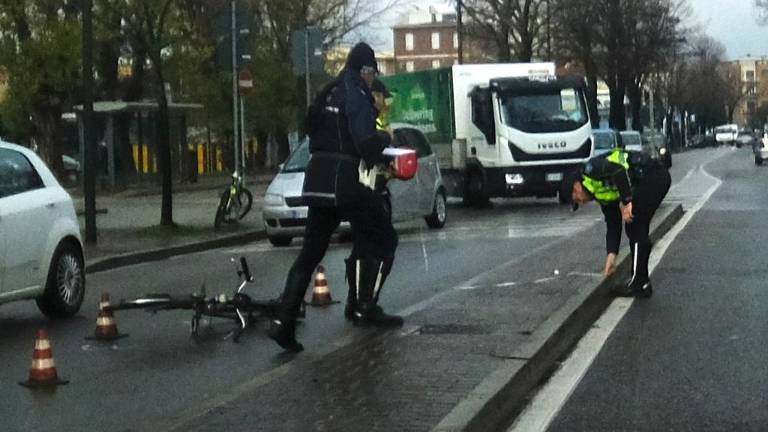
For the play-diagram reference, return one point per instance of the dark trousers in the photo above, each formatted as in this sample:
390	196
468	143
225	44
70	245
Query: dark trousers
647	198
374	237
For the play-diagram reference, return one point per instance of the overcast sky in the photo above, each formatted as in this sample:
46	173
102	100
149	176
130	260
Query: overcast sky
732	22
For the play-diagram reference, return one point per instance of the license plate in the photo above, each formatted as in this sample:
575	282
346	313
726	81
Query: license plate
553	177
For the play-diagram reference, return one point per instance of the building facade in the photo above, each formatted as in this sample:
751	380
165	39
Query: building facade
426	40
752	104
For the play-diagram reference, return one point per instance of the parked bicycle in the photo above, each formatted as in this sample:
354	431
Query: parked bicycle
235	202
239	306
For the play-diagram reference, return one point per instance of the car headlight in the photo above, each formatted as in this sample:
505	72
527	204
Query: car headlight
272	199
663	151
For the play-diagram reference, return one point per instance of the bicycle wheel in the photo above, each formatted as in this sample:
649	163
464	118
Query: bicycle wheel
246	201
221	210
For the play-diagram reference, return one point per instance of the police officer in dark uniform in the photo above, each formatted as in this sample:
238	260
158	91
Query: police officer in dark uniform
629	186
344	143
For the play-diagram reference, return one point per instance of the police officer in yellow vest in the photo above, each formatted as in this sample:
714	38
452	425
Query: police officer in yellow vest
629	186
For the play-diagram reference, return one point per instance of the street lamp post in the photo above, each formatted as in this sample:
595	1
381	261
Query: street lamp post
89	168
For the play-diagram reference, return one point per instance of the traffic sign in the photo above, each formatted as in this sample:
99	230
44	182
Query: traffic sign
245	81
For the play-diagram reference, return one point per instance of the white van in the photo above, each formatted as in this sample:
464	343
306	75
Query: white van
726	134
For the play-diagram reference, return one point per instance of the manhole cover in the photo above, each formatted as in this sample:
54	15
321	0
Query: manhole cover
454	329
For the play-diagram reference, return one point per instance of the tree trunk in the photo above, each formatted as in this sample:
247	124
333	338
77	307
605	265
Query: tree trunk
617	118
164	144
594	114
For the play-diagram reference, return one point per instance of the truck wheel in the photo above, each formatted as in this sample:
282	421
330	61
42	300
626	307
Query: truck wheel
474	192
758	160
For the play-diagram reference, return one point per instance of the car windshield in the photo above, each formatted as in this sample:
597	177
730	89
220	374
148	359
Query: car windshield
547	110
298	160
604	140
723	129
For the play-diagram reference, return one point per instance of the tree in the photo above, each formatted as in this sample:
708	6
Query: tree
40	55
517	28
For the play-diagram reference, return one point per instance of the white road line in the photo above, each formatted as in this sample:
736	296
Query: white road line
424	252
548	402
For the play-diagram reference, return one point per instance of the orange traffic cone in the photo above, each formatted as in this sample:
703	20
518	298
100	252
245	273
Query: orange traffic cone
43	371
321	294
106	329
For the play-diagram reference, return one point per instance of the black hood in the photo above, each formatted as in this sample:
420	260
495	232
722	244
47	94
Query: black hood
361	55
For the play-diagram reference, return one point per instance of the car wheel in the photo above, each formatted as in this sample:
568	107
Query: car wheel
758	160
65	285
439	211
280	241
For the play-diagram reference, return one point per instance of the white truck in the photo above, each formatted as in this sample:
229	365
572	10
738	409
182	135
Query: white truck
499	130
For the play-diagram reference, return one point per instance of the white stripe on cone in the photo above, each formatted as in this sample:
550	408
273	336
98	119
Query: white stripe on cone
42	344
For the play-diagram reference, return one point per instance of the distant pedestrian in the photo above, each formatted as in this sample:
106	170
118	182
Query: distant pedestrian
344	142
629	186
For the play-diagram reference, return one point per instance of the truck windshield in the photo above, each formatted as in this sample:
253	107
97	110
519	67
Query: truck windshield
546	110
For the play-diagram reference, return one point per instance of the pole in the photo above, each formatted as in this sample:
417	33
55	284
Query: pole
242	138
89	170
459	32
650	109
306	64
235	137
549	32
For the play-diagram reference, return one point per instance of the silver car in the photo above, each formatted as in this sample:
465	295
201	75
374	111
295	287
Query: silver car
285	215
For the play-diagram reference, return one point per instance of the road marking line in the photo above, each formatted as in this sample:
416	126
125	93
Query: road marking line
548	402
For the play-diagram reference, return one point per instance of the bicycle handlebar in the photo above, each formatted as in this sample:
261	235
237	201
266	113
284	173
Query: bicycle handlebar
246	270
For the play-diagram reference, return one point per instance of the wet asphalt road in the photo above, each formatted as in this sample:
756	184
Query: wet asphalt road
159	372
693	358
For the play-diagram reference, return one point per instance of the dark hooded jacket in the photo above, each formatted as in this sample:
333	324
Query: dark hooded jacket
342	131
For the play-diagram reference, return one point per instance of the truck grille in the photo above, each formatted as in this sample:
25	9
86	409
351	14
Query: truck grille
521	156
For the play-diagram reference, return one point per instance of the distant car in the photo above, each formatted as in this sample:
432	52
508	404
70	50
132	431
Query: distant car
745	138
605	140
41	251
726	134
760	149
71	168
656	143
285	214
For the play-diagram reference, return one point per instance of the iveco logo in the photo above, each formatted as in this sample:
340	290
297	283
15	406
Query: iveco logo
552	145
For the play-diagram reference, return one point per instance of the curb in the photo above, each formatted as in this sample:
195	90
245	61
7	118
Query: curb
132	258
503	394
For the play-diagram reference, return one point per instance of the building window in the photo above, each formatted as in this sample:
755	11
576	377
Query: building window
751	107
455	40
409	41
435	40
409	66
750	75
435	64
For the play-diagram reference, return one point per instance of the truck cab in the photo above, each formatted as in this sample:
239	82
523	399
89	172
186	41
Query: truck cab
526	133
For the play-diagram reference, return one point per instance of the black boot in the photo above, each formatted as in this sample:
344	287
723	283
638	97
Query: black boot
283	329
640	284
349	309
370	274
284	333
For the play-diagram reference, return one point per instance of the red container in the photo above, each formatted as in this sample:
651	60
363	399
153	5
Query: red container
404	162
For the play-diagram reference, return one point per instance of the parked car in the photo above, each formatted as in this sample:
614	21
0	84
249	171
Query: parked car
745	138
41	251
760	149
285	214
633	141
605	140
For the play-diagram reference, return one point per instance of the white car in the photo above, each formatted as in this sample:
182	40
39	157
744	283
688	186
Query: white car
726	134
41	251
285	214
